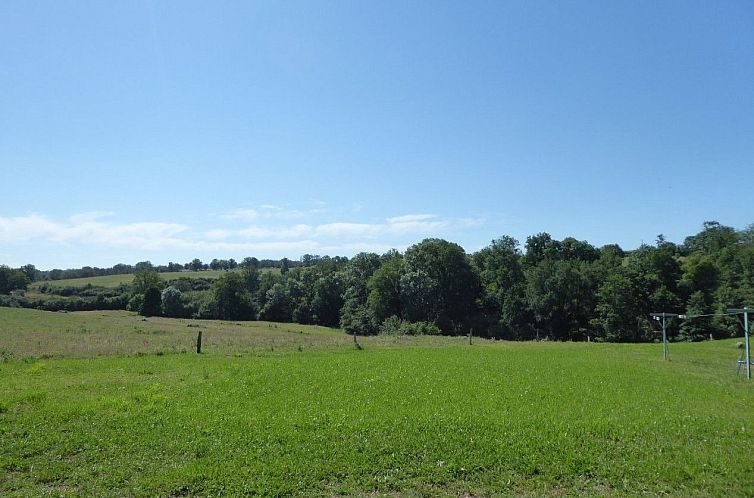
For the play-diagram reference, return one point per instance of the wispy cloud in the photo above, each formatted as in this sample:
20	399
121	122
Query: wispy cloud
407	218
241	214
100	229
258	232
85	228
218	234
271	212
410	224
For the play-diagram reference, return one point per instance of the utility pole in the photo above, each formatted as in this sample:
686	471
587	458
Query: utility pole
662	317
745	311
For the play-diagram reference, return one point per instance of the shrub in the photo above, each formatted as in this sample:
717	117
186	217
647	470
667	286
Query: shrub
135	303
199	305
395	326
171	302
391	326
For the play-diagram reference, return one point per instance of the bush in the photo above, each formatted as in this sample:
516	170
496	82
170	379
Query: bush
425	328
171	302
10	301
391	326
119	302
87	291
395	326
185	284
199	305
135	303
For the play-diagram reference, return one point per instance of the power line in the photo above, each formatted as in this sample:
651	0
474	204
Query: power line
686	317
664	317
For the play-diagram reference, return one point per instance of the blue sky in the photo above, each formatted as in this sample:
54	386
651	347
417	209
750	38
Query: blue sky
165	131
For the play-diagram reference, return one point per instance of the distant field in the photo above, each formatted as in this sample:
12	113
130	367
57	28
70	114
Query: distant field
115	280
424	416
28	333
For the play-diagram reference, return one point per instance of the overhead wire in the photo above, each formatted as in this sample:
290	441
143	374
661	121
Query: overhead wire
707	314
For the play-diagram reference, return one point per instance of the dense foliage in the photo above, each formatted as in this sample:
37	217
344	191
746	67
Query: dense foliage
557	289
194	265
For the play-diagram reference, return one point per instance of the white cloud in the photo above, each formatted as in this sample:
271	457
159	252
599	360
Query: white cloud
85	229
89	233
90	216
413	224
279	247
407	218
271	212
241	214
218	234
260	232
349	230
23	228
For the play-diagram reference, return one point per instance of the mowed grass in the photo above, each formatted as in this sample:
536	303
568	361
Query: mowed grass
492	419
112	281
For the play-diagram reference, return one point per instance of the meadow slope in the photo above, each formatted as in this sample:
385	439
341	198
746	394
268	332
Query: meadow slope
423	417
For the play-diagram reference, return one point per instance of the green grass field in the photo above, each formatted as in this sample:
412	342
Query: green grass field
113	281
27	334
403	417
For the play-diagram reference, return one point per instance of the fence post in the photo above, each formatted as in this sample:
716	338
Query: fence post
199	343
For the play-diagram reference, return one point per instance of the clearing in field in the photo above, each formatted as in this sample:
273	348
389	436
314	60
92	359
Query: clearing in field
107	404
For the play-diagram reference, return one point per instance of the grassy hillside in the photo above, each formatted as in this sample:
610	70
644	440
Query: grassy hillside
438	418
28	333
116	280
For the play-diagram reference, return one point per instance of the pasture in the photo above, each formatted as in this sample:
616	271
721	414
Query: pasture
112	281
106	404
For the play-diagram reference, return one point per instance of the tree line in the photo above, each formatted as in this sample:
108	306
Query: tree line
195	264
556	289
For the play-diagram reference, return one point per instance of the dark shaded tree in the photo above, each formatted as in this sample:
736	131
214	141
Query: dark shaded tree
151	306
233	300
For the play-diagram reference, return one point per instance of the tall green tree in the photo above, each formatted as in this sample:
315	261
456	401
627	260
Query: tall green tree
712	239
539	247
500	270
232	299
384	290
11	280
355	315
439	284
151	306
700	274
621	311
145	279
170	301
696	328
278	304
560	295
328	299
284	266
